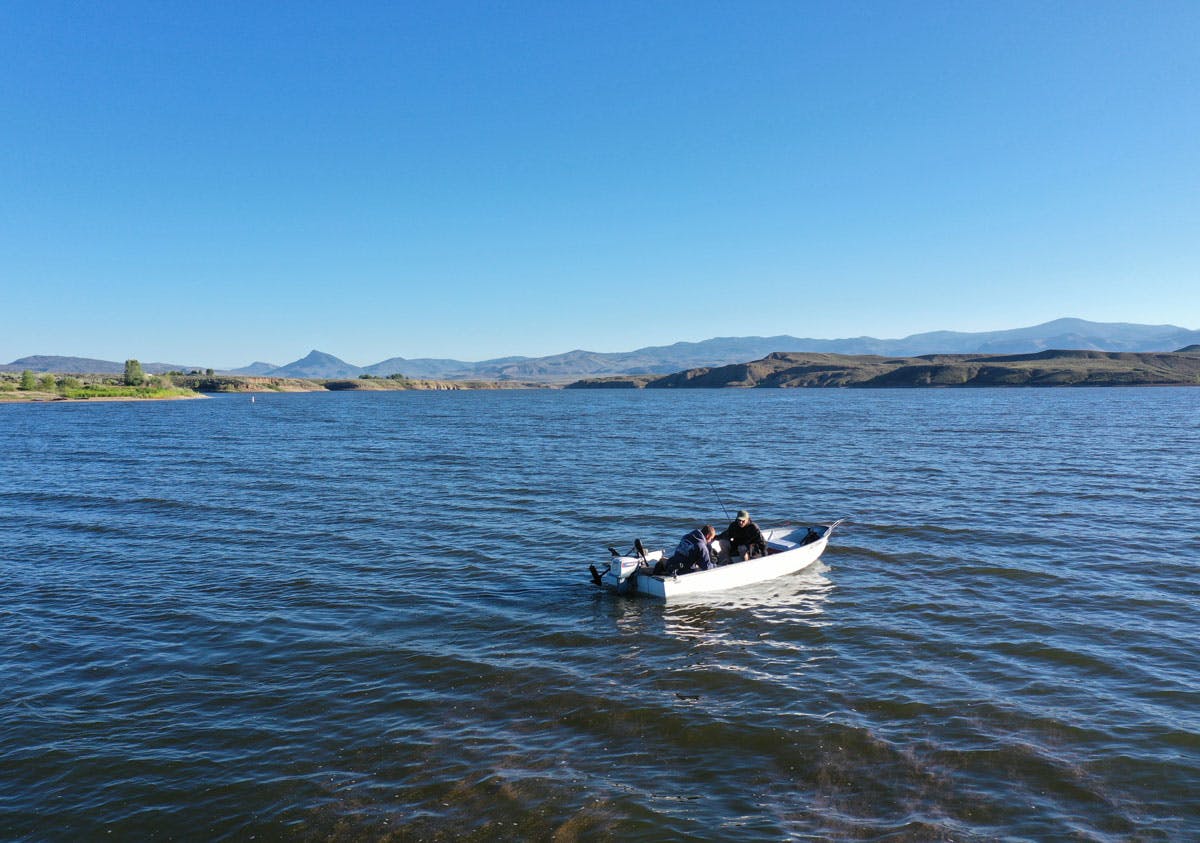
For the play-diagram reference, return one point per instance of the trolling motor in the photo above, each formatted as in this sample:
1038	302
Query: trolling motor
597	576
625	573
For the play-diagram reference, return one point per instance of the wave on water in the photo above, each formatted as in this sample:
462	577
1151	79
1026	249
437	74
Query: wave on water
369	617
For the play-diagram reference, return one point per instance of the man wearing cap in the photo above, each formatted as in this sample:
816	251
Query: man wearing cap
744	537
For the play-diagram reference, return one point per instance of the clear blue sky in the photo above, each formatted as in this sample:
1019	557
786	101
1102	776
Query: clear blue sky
215	183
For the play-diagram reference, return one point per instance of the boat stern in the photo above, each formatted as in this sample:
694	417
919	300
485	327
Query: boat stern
619	575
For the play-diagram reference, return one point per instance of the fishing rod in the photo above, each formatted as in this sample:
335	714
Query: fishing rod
718	497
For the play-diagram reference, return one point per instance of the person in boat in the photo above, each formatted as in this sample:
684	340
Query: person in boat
692	552
744	537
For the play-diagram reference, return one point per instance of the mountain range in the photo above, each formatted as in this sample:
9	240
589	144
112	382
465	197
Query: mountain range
1075	334
1041	368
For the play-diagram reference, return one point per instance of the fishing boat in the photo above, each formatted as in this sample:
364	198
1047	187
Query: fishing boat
789	549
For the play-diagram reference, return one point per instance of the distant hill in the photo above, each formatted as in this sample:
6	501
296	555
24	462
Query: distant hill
1058	334
426	367
720	351
256	368
1044	368
86	365
317	364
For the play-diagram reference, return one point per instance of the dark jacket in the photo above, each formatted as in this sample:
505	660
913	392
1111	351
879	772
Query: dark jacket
692	550
749	535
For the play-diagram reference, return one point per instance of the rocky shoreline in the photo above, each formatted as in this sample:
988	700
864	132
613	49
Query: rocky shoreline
816	370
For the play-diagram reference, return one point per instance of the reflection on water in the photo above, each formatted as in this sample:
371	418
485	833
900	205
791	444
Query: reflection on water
797	598
792	599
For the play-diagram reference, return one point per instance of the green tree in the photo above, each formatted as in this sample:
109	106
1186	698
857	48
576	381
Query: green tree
27	381
46	383
134	376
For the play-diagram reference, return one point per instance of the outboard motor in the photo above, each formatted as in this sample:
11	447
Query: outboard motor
625	570
622	569
598	575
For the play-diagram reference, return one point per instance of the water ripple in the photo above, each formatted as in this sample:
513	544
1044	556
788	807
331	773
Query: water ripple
361	617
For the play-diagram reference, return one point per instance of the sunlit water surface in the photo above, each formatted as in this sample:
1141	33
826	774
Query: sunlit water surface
368	616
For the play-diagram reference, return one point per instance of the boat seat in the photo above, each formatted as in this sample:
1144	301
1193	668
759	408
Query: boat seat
780	545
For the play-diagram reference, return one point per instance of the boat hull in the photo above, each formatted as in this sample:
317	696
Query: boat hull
786	555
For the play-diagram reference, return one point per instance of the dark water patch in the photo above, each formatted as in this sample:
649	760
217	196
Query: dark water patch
1021	575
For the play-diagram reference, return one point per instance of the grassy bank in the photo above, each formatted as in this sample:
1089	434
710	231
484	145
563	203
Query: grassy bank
85	392
50	386
81	387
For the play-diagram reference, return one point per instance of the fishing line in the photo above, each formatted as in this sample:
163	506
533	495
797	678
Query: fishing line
718	497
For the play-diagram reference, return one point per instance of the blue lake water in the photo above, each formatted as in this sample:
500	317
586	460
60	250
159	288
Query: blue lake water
363	616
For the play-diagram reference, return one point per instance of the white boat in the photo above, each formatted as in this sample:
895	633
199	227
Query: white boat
789	549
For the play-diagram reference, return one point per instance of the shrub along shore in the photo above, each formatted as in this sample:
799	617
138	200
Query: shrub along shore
49	386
